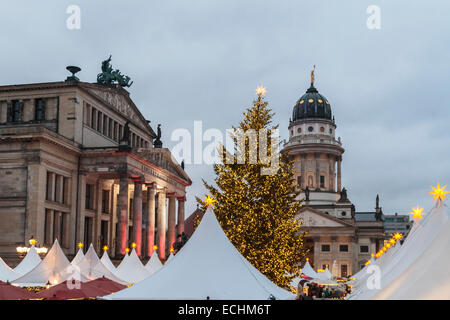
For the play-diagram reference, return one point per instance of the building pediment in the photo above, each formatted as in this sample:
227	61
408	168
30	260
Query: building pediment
162	157
315	218
119	100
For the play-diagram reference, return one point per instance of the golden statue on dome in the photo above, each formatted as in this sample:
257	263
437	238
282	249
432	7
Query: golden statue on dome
312	75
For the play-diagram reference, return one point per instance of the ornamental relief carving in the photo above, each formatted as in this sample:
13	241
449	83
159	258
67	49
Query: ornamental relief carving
118	102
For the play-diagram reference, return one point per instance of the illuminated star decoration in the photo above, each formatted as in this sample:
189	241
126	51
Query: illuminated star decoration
417	213
209	201
105	248
398	236
439	193
260	91
80	245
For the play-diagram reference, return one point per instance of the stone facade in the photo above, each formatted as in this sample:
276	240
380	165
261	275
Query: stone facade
66	172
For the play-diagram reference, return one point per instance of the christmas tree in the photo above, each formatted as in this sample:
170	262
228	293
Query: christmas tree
255	201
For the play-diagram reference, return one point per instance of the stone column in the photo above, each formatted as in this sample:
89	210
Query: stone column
57	227
339	187
122	217
162	224
180	218
98	216
317	157
113	219
137	216
51	186
303	171
81	208
151	193
171	221
35	211
48	237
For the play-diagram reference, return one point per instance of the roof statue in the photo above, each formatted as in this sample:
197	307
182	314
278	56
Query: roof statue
158	143
108	76
312	75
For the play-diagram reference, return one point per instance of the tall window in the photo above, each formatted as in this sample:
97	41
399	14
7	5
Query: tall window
105	201
322	181
344	270
89	196
99	121
326	248
39	108
14	112
364	249
343	248
299	181
105	127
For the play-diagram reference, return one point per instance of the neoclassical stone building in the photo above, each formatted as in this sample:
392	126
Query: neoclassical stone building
335	231
80	163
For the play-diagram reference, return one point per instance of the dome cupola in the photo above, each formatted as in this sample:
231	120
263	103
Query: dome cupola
312	105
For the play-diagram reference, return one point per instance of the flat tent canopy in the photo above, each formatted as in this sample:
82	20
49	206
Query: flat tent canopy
10	292
208	265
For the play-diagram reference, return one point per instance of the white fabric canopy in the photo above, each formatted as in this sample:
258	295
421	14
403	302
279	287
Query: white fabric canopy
31	260
208	265
78	257
395	264
131	269
328	273
108	263
92	268
171	256
6	273
308	271
154	264
55	268
428	277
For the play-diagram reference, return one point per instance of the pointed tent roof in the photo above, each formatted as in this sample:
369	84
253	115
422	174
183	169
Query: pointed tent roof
124	260
78	257
154	264
108	263
55	268
31	260
429	272
132	270
307	270
328	273
215	267
171	256
420	237
92	268
6	273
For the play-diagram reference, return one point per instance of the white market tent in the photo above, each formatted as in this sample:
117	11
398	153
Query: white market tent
124	261
154	264
428	277
92	268
108	263
78	257
308	271
6	273
171	256
31	260
393	266
208	265
131	269
55	268
328	273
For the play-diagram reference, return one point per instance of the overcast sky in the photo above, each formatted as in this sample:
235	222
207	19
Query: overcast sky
202	60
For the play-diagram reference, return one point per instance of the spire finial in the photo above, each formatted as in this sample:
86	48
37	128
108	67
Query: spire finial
312	75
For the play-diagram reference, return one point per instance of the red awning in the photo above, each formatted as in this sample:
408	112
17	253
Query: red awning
107	284
69	290
10	292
